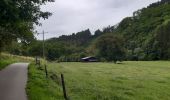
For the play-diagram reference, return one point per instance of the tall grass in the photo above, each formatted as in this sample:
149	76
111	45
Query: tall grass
41	88
6	59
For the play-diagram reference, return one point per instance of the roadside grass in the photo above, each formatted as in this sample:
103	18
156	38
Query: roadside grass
143	80
6	59
40	88
4	63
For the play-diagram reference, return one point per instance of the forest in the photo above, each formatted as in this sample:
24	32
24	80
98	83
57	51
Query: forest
145	36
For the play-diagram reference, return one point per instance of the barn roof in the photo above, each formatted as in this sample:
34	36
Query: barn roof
88	57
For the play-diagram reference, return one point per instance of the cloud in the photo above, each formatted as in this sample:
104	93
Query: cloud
75	15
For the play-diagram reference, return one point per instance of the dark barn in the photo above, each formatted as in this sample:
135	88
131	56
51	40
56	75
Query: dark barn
89	59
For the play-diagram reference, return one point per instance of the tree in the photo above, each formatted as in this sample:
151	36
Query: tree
17	19
97	33
162	40
110	47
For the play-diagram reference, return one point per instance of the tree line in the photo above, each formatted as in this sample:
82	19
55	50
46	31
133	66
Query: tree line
144	36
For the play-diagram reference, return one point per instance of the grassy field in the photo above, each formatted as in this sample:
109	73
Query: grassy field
6	59
102	81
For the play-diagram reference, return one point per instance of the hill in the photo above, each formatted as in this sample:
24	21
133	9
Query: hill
147	32
146	36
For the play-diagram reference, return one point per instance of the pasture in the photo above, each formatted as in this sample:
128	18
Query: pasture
144	80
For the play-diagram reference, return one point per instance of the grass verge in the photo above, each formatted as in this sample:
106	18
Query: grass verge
6	59
4	63
41	88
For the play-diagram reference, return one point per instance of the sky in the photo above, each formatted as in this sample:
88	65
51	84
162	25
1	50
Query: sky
72	16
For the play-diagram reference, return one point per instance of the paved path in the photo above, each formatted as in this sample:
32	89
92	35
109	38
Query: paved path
13	81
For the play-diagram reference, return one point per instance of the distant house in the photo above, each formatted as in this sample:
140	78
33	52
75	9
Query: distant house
89	59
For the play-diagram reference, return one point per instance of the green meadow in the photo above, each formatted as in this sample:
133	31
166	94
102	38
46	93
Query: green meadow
143	80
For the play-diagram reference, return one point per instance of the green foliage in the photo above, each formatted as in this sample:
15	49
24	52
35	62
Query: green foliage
55	50
17	19
36	48
145	35
141	32
110	47
76	39
163	40
65	48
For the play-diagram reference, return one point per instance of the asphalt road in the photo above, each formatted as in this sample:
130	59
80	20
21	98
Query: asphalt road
13	81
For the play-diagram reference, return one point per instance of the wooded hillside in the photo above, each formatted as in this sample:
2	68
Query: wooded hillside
145	36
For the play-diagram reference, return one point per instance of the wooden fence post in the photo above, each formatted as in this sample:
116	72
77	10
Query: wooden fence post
39	63
36	60
46	72
63	85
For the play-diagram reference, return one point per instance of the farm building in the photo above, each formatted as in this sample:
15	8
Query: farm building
89	59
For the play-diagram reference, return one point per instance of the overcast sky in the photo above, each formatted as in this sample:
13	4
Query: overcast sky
72	16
